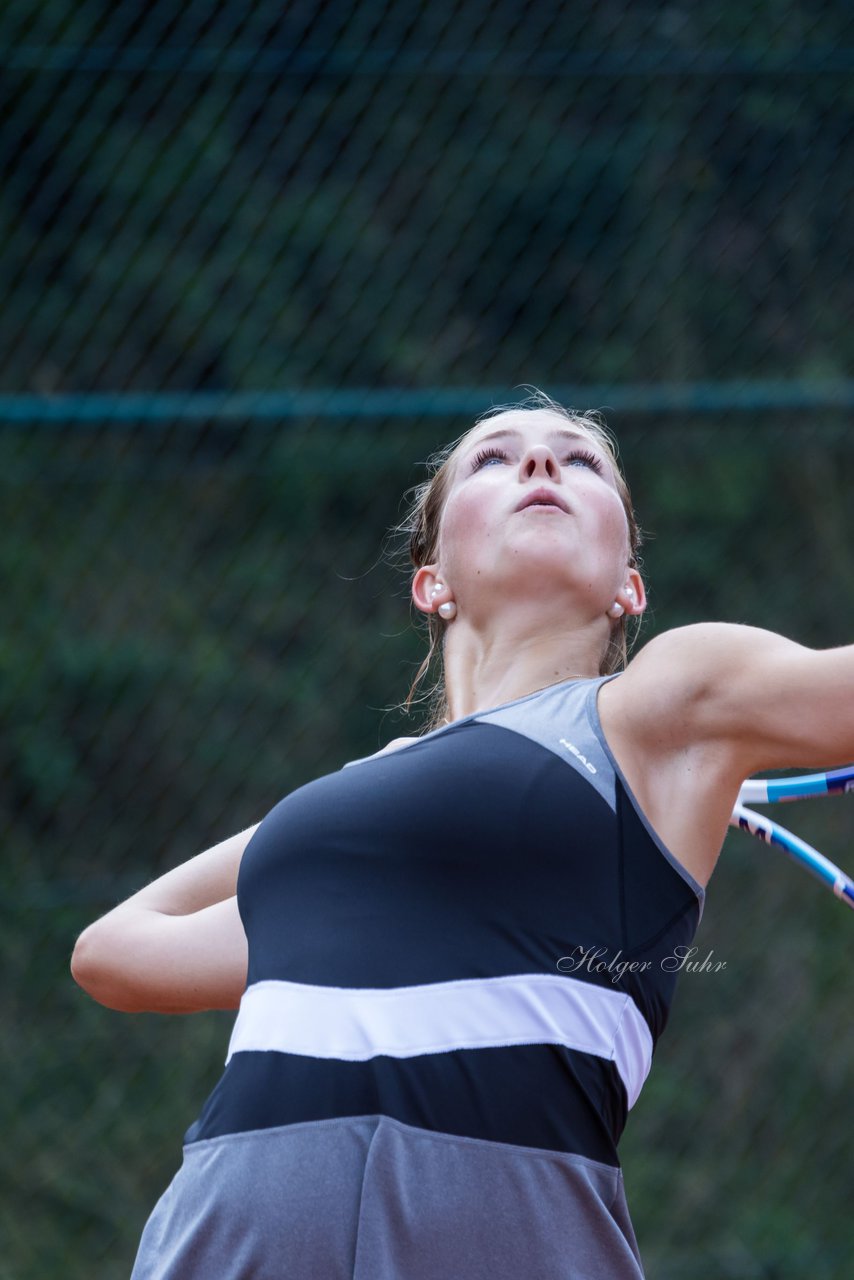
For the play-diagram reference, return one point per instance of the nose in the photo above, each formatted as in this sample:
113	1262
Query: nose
539	460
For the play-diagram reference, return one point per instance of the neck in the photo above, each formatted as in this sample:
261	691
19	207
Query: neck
482	672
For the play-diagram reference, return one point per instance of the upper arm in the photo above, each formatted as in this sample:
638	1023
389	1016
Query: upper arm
764	700
175	946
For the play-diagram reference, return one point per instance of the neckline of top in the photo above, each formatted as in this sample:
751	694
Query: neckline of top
484	711
403	743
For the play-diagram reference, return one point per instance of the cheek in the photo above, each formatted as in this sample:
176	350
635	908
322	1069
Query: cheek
616	521
464	530
612	536
619	531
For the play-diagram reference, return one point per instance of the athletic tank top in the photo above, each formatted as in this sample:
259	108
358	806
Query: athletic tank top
472	934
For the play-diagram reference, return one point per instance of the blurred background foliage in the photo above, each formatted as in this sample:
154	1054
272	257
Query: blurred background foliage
371	221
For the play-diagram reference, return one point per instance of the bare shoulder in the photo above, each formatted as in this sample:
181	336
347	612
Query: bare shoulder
652	700
695	655
702	707
771	702
703	677
685	779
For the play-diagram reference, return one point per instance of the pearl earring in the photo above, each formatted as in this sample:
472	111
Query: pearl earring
448	610
616	610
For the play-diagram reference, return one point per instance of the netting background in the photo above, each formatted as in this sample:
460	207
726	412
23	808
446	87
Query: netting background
257	262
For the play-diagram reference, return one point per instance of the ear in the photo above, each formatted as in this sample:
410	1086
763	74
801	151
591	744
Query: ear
424	592
632	594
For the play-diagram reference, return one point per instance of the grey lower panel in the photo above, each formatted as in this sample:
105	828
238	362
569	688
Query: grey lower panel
369	1198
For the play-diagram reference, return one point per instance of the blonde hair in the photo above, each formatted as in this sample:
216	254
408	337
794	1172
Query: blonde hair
420	527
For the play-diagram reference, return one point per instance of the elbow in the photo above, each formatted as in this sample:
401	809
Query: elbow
95	969
83	961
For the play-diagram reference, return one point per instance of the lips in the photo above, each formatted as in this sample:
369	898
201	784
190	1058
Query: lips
543	498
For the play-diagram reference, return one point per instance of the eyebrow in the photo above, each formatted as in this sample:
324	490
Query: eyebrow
558	431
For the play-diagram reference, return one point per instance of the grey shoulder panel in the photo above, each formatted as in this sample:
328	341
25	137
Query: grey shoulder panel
559	718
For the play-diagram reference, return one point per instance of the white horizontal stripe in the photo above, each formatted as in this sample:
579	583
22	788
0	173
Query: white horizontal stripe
355	1024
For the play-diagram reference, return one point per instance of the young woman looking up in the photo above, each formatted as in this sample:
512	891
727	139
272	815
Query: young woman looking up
424	1078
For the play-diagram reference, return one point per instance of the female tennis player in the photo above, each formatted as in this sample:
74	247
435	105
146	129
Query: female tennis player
456	967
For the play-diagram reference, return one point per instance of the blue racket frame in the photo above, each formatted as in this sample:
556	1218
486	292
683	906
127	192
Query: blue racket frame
780	790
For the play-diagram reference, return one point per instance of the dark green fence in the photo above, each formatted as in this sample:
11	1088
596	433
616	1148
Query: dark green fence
258	261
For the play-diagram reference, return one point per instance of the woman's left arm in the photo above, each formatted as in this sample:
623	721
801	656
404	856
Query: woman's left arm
771	703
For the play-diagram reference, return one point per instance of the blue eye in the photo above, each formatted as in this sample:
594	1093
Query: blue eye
485	454
586	460
580	458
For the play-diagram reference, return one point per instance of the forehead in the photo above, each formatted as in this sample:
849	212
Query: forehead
528	422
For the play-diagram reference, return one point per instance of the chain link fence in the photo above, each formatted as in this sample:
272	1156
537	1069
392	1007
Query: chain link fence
257	262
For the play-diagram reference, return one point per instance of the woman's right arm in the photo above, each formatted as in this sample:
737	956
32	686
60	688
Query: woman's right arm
176	946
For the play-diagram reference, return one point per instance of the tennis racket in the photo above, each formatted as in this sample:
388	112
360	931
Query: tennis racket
779	790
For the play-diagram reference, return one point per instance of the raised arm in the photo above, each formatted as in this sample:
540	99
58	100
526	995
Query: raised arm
701	708
176	946
768	702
